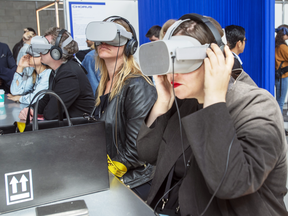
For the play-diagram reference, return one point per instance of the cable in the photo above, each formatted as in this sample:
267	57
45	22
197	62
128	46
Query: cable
115	66
184	159
181	140
179	119
113	135
227	163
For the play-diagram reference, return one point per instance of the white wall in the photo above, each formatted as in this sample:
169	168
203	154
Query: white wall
126	8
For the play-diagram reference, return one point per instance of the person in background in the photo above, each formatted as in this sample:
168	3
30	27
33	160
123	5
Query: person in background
82	53
225	152
27	71
153	33
123	99
67	79
236	40
165	27
23	91
89	64
20	44
281	62
7	67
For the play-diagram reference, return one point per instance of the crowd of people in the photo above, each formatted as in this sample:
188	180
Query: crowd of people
204	142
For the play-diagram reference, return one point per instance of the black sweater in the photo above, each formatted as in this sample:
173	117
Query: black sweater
71	84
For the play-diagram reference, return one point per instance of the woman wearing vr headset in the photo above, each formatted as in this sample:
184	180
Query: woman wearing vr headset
228	155
123	98
281	62
23	89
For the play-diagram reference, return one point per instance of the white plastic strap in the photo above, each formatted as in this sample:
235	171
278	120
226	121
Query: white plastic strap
172	28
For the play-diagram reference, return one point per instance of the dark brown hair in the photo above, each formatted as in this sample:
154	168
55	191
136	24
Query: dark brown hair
199	30
279	37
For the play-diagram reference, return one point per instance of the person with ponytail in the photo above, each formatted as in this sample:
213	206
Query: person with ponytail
281	62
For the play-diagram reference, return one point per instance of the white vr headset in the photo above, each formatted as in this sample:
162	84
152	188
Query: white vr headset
39	44
156	58
108	32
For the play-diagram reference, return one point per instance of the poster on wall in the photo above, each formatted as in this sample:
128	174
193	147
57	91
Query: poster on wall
80	14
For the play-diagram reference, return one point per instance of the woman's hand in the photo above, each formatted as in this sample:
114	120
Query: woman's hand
165	98
23	63
217	74
15	98
23	114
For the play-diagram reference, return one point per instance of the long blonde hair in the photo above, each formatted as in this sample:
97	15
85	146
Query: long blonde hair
127	70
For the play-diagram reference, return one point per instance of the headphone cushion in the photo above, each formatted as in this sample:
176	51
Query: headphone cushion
131	47
56	53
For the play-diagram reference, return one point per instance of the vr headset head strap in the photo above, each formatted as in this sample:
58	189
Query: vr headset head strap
211	27
132	44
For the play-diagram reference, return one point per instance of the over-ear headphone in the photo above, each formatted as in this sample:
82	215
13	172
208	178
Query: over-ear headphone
205	21
56	51
132	44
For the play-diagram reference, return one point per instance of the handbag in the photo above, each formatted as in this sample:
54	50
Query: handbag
53	164
46	124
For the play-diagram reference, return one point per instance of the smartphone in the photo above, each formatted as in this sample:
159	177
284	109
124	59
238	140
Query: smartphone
73	208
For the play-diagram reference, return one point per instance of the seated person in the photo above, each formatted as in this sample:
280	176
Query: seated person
23	90
123	99
67	79
232	160
89	64
7	67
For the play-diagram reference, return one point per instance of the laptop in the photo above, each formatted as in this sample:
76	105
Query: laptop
45	166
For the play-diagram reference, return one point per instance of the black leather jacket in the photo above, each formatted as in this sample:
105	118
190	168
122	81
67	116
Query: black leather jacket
124	116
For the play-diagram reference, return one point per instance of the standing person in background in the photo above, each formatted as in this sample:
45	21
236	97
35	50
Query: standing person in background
165	27
7	67
236	41
153	33
281	62
281	56
123	99
23	90
20	44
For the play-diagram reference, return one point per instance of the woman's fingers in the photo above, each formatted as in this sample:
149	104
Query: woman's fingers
212	58
219	54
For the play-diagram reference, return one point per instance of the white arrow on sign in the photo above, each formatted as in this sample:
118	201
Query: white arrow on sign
23	181
14	183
